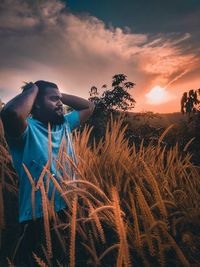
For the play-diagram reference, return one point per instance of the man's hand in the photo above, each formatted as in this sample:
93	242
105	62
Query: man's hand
29	86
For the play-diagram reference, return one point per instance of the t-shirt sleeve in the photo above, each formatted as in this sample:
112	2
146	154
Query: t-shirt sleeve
16	141
73	119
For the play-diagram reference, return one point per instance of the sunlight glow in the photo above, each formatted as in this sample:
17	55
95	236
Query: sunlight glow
157	95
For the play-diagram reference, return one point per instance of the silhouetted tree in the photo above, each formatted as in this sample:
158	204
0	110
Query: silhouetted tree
117	98
190	105
190	102
112	101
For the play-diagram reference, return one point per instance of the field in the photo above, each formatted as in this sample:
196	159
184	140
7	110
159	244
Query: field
157	119
128	206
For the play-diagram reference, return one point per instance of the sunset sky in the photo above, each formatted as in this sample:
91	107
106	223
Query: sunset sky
78	44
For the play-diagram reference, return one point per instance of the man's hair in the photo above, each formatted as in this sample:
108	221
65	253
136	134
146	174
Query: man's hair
42	85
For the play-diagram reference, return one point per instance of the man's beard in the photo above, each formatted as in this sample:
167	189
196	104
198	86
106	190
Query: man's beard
57	116
57	119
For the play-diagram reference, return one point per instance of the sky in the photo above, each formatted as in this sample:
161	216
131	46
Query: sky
80	44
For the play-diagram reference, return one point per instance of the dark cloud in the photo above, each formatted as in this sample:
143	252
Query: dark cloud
153	17
143	15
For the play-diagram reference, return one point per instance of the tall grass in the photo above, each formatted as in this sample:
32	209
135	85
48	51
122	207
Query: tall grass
8	179
126	207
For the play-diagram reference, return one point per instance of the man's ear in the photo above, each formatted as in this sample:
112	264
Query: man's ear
36	106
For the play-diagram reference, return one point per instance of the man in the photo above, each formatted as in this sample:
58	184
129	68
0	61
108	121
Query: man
28	141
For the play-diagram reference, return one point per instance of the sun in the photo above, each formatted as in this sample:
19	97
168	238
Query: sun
157	95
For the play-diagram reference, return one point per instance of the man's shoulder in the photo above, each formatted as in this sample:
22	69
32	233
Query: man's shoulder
73	119
31	121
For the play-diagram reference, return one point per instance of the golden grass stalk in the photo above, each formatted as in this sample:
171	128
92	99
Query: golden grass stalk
2	221
49	156
92	250
164	134
61	165
4	153
84	167
49	144
46	220
144	207
32	190
102	208
44	250
59	264
60	151
147	218
58	187
40	179
2	173
72	162
137	235
83	142
61	239
94	230
10	264
83	193
115	246
121	230
120	256
39	261
29	175
161	253
176	248
92	253
73	233
97	222
69	138
52	212
47	183
151	179
188	144
94	187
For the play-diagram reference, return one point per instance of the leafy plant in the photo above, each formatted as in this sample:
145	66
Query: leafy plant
110	102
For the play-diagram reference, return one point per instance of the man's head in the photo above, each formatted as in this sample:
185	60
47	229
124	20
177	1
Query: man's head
48	105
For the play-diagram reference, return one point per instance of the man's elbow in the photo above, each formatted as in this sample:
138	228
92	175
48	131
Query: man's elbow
7	114
91	108
3	113
85	114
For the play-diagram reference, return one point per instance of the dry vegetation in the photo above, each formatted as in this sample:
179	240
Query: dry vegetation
125	207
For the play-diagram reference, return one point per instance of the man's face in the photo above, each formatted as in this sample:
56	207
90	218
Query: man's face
51	106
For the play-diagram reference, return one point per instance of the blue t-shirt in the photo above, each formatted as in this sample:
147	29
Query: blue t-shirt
31	148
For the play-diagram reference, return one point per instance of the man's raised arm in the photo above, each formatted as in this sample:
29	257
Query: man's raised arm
15	112
85	107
